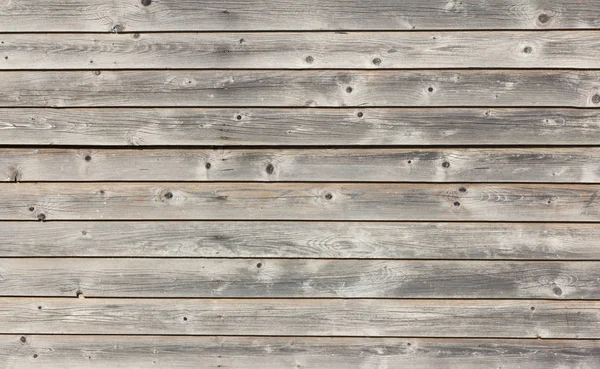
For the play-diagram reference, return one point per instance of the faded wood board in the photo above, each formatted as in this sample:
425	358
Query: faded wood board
560	165
299	201
301	127
277	278
299	50
141	352
231	15
305	88
337	240
303	317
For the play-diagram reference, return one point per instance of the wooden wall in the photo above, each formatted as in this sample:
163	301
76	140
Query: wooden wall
338	184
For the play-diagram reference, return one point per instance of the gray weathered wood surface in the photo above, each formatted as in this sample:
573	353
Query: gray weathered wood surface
276	278
560	165
304	317
298	50
231	15
141	352
299	127
301	88
336	240
299	184
299	201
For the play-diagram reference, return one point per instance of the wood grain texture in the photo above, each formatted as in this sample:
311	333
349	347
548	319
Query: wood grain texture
135	352
234	127
307	88
338	240
299	201
303	317
230	15
559	165
354	50
276	278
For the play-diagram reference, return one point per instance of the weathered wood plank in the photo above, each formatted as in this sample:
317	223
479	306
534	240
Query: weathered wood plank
277	278
355	50
303	317
368	240
299	201
114	127
558	165
306	88
230	15
141	352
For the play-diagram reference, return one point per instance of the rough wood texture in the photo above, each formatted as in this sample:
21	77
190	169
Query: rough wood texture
114	127
299	201
230	15
343	165
573	49
135	352
255	278
307	88
303	317
368	240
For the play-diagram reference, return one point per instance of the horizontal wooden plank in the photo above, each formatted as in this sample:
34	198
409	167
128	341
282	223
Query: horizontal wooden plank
233	127
306	88
303	317
299	201
141	352
558	165
368	240
229	15
277	278
354	50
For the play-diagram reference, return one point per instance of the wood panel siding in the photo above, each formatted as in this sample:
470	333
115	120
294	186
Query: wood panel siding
299	201
298	50
299	127
141	352
306	15
304	88
314	240
304	317
299	184
276	278
344	165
